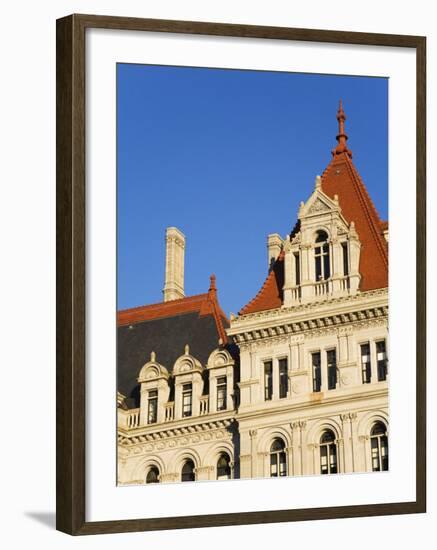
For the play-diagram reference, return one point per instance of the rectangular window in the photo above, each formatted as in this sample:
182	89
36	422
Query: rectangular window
381	359
187	400
331	358
345	259
283	378
152	407
326	266
221	393
317	372
297	267
318	257
268	381
365	363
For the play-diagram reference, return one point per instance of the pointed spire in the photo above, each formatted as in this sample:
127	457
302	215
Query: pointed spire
341	136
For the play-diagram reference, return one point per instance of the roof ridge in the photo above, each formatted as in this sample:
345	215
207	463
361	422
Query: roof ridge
163	304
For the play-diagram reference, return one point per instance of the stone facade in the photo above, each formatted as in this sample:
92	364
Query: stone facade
298	385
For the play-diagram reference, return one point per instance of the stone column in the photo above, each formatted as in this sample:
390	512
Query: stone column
275	378
245	454
347	447
324	370
213	392
373	363
204	473
356	467
253	444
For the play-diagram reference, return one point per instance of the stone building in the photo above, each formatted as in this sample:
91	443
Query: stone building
296	384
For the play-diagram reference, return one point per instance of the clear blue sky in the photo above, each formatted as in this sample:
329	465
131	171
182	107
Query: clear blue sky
226	156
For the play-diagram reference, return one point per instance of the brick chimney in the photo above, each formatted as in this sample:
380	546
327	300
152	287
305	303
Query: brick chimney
174	264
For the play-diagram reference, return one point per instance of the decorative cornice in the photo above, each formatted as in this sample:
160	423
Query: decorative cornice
318	326
178	436
308	307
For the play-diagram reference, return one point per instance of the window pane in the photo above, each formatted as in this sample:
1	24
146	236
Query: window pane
152	407
187	399
317	373
318	268
268	381
331	357
326	265
152	475
187	473
297	267
345	259
283	378
223	467
221	393
381	358
365	363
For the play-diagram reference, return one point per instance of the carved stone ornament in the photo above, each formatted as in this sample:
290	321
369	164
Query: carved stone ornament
317	207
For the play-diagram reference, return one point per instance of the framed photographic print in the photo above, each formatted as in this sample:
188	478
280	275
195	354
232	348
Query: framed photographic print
240	274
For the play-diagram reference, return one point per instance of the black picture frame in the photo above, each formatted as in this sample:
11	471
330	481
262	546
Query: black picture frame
71	279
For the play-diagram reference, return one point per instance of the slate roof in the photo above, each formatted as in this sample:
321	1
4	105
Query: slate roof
166	328
340	178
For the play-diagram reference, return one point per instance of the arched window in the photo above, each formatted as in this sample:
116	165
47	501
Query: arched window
328	453
224	467
321	256
379	447
152	475
278	459
187	473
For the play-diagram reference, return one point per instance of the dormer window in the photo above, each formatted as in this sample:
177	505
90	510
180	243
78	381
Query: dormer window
187	400
152	407
321	256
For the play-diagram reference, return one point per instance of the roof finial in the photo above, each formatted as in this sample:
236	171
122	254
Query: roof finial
212	287
341	136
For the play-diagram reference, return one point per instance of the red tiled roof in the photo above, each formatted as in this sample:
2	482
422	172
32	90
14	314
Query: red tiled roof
204	304
340	178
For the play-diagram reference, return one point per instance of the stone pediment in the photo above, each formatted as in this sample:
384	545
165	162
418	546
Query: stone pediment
318	206
318	203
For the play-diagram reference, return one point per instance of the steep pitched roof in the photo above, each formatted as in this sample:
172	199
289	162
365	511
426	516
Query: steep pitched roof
340	178
165	329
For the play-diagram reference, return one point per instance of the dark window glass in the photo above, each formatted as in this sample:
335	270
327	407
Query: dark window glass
221	393
331	357
321	237
278	459
318	265
326	266
152	407
268	381
224	467
321	256
379	447
187	473
283	378
187	399
317	372
345	259
297	266
152	475
366	370
381	360
328	453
